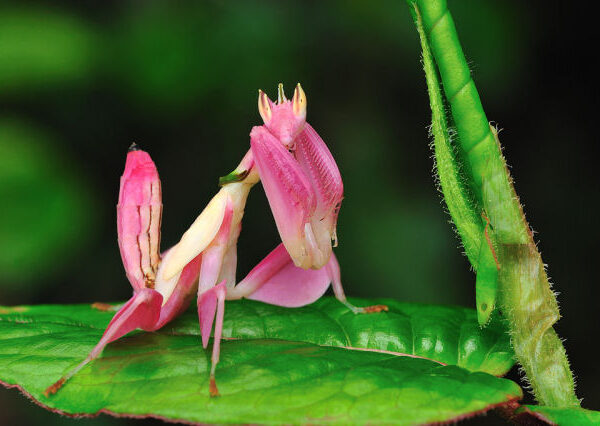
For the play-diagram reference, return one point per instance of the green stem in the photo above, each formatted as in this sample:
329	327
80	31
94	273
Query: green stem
461	203
525	296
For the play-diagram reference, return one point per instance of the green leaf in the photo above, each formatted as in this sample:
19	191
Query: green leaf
574	416
282	365
447	334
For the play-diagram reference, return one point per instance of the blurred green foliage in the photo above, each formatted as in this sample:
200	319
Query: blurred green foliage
47	210
171	55
42	48
79	81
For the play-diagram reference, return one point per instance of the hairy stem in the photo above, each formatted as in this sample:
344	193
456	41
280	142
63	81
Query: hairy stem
525	296
457	195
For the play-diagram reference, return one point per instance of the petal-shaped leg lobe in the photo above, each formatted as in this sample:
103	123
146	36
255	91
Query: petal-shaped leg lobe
229	266
213	257
207	307
183	293
141	311
211	271
261	273
277	281
288	190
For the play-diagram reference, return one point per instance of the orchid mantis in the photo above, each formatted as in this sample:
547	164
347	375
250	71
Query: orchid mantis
304	189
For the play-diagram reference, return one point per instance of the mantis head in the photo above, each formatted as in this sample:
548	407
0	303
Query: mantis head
286	118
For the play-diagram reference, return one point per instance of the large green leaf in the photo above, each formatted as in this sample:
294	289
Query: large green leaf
569	416
284	365
447	334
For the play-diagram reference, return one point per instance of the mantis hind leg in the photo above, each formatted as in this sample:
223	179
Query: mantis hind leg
333	271
277	281
141	311
211	307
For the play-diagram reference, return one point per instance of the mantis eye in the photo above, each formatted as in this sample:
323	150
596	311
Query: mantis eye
264	106
299	102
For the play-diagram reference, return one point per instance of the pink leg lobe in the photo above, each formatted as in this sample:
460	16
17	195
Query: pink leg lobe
277	281
141	311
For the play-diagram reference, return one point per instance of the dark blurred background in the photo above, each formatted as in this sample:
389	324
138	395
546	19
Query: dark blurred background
80	81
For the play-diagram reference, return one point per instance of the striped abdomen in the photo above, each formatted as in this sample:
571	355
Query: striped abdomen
139	215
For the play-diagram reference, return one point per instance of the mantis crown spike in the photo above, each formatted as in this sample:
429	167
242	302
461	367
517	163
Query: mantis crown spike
264	106
280	94
299	102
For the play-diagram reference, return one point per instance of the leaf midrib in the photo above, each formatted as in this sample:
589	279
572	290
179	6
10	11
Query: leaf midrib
168	333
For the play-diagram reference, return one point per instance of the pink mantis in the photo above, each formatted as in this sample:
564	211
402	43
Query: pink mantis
304	189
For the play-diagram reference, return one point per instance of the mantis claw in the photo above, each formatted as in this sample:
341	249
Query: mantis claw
213	390
365	309
51	390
